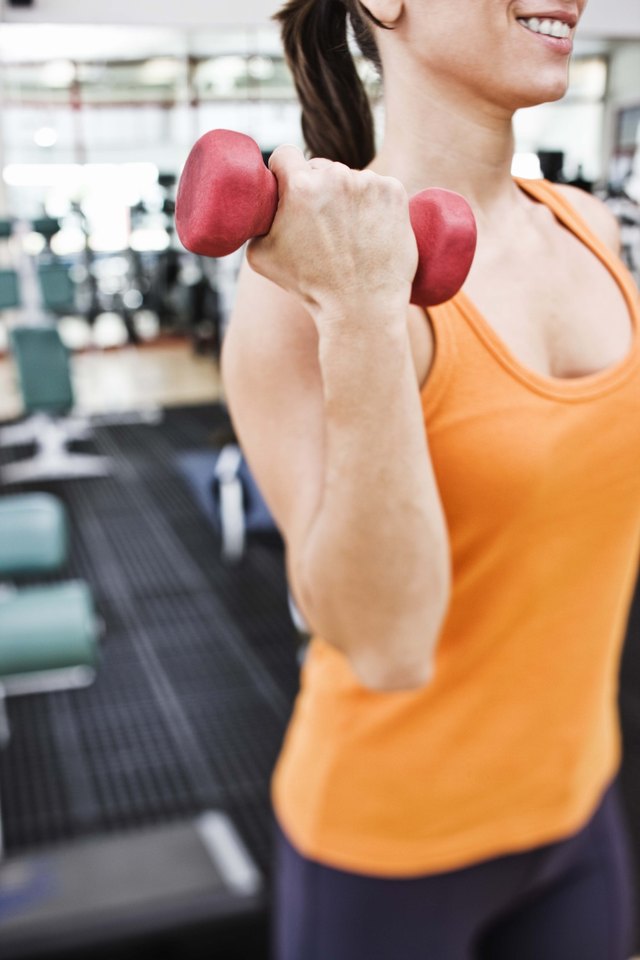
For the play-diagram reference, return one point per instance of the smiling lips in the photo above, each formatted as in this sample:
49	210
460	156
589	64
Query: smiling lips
548	28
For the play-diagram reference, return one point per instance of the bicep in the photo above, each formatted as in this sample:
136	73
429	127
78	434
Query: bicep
273	386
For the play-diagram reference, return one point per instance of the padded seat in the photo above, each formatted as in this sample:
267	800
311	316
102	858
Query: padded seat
9	287
33	534
47	628
57	288
43	367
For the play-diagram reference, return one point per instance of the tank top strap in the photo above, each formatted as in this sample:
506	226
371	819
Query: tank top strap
547	193
561	206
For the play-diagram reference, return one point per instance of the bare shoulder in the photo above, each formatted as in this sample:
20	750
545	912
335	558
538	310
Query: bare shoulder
596	213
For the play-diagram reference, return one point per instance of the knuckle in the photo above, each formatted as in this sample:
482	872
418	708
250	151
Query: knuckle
395	188
341	175
319	163
388	190
368	178
299	183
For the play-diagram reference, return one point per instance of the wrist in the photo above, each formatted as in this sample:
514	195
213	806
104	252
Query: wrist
345	316
375	352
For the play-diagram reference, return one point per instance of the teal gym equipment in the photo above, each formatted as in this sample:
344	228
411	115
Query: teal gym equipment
9	289
45	630
47	638
34	535
9	281
56	286
44	377
48	633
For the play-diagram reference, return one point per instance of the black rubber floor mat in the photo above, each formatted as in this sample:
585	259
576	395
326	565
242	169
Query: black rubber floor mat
198	671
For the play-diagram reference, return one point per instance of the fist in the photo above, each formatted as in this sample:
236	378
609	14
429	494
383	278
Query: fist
339	238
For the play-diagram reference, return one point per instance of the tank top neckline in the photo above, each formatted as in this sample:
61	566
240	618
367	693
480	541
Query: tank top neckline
566	388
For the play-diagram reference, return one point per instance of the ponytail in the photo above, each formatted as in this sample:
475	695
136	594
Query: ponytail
336	114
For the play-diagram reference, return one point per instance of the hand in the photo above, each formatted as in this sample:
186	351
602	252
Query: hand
340	237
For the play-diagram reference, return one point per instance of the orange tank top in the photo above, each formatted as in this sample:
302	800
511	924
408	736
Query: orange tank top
517	735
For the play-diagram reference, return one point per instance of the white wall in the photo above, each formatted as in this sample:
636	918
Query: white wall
209	13
602	18
624	91
614	19
624	73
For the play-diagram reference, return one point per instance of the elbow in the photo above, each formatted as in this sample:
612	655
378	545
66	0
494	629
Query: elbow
391	677
390	645
404	666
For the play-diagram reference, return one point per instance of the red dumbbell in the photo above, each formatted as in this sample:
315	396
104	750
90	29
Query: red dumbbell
227	195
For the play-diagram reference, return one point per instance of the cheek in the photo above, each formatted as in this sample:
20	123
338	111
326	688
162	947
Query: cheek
481	49
478	61
496	71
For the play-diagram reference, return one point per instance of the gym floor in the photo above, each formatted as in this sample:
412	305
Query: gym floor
164	372
198	666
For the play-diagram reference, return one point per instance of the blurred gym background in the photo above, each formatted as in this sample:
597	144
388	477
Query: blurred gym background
149	655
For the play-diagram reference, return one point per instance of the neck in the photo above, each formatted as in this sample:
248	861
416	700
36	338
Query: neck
445	138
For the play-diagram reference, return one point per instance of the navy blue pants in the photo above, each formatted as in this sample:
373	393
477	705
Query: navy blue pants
568	900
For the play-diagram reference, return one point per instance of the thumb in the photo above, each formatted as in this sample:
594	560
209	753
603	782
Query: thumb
285	160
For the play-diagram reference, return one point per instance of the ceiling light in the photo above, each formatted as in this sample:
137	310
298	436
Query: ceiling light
45	137
161	70
260	68
58	73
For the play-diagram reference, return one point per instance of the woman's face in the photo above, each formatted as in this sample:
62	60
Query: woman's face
513	53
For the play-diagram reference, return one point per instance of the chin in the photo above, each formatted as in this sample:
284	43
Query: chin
533	100
538	92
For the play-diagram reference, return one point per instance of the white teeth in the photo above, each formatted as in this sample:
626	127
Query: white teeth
549	28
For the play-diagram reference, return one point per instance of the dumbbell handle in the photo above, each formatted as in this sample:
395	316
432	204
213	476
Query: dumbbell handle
227	195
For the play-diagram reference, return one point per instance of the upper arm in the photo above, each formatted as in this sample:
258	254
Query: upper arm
273	384
596	214
272	381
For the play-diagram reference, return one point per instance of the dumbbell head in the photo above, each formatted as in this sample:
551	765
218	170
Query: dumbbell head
445	231
226	196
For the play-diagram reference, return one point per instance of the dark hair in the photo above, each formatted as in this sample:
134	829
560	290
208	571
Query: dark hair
336	114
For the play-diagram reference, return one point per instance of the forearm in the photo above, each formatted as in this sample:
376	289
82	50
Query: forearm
373	571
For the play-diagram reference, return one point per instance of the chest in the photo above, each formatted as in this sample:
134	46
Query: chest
554	305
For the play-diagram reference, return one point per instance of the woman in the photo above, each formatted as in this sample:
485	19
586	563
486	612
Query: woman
459	498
